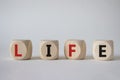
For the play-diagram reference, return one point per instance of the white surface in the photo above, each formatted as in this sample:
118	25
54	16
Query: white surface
61	69
61	20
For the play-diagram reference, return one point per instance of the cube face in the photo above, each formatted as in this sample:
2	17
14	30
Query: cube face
21	49
103	50
75	49
49	49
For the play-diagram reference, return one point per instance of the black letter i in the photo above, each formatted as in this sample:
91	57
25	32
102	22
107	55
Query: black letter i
48	51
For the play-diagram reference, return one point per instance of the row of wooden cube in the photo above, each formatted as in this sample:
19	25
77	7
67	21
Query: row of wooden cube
73	49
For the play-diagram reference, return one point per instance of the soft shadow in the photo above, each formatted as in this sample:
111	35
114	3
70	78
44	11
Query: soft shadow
38	58
35	58
62	58
116	58
89	58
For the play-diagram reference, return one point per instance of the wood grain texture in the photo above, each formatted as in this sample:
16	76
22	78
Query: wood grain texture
80	49
54	49
24	48
108	49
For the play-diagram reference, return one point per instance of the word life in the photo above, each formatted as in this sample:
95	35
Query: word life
73	49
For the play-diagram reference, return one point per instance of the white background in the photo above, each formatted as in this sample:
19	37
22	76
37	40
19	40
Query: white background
61	20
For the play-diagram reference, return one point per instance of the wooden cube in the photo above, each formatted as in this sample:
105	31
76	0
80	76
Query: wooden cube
75	49
21	49
103	50
49	49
